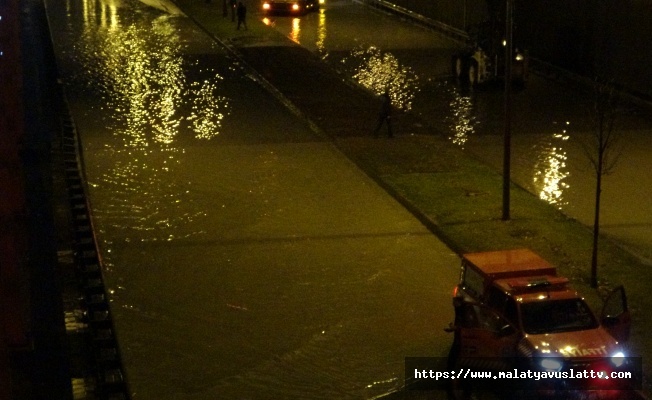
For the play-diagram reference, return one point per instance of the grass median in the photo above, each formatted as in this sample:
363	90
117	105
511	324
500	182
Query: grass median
462	200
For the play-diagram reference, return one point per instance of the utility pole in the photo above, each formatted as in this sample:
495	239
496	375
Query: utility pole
507	139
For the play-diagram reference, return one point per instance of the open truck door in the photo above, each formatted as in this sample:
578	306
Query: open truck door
615	317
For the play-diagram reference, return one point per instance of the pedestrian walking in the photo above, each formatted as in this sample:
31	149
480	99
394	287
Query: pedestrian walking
242	15
385	114
233	4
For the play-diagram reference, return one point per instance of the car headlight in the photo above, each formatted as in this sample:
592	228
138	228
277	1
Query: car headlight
618	359
551	363
266	6
295	7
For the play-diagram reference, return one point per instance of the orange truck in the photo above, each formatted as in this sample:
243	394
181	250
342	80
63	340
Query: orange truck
514	313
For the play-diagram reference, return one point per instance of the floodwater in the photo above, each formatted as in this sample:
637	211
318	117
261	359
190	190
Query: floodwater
550	126
245	257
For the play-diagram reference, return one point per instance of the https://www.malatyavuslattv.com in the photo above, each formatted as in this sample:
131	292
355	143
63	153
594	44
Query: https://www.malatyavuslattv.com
468	373
434	373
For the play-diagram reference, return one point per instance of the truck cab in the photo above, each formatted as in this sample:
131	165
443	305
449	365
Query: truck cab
513	310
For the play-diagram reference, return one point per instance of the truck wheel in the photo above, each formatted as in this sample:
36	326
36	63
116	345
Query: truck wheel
473	72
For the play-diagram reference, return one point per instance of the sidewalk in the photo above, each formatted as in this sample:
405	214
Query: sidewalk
456	197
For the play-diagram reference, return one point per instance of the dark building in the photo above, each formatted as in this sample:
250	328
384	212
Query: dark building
606	38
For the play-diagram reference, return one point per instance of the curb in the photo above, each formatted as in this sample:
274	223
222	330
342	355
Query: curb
425	220
90	331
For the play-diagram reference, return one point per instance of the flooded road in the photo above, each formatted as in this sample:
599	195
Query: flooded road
550	125
246	258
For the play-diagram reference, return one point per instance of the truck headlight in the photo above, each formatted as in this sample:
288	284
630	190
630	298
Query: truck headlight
618	359
551	364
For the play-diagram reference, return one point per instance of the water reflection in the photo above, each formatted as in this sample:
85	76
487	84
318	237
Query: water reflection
550	169
462	120
295	33
135	65
140	71
321	33
205	115
378	70
108	15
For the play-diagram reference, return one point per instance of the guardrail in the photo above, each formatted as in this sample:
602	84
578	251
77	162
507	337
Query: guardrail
450	31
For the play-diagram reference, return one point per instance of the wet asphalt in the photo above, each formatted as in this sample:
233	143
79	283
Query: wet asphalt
314	215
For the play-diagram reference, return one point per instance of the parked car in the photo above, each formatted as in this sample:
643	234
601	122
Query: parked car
291	7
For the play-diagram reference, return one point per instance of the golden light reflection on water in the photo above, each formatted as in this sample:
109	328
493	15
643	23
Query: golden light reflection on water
295	33
378	71
138	70
321	32
551	170
463	120
206	115
142	71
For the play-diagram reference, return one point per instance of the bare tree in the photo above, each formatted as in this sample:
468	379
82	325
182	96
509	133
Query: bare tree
603	152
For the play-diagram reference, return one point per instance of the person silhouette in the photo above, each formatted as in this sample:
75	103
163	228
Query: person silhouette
242	15
385	114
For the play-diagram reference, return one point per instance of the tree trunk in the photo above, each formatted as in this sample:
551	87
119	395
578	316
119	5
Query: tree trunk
596	224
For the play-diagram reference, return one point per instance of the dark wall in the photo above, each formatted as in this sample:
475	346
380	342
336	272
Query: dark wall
610	38
606	38
559	31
